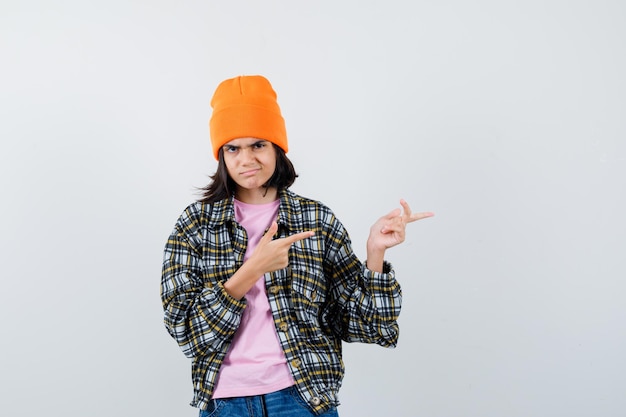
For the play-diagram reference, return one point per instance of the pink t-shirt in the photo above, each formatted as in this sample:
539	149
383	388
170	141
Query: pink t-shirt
255	363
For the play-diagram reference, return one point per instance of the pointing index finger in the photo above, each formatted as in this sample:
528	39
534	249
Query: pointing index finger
409	216
420	216
299	236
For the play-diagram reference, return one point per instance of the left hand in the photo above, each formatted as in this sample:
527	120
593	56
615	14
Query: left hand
389	230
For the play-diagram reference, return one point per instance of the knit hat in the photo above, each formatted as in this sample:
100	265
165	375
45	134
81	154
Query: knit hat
246	106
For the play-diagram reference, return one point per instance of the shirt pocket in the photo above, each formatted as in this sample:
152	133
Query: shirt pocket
308	296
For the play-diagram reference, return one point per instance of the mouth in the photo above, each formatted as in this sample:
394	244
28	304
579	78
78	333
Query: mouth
250	172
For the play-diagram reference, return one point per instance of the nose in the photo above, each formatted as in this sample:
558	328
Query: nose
246	155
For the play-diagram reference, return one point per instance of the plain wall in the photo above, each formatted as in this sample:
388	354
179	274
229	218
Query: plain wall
506	118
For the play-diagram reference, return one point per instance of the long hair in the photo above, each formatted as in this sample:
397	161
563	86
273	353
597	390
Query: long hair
222	185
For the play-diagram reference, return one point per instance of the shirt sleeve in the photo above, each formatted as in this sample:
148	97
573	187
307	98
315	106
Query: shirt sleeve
365	305
198	312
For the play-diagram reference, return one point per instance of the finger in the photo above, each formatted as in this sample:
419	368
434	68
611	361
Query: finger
420	216
406	208
396	224
298	236
269	234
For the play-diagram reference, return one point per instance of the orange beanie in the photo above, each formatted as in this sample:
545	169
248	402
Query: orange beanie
246	106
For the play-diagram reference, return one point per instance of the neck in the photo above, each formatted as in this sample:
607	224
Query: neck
257	196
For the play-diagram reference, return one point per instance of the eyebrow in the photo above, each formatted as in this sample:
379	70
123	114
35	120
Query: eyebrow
252	144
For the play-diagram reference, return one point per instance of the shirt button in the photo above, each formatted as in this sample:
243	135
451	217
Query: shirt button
283	327
296	363
274	289
315	401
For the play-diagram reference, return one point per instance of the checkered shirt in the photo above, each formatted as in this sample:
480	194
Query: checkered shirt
325	295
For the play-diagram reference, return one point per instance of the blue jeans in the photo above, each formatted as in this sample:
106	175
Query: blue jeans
283	403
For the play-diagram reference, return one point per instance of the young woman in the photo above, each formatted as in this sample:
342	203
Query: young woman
260	286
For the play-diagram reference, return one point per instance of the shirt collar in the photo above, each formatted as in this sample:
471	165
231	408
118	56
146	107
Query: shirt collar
289	212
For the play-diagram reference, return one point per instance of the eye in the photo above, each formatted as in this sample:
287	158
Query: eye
259	145
230	149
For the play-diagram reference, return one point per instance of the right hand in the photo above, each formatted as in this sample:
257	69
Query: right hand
268	256
273	254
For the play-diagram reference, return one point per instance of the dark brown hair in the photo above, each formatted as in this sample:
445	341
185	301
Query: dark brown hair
222	185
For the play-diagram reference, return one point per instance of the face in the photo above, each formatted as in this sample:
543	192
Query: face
250	162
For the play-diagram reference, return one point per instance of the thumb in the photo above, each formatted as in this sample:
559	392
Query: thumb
271	231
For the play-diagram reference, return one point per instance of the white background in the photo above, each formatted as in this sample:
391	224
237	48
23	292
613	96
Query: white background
506	118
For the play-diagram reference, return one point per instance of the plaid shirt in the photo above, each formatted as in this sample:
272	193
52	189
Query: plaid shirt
324	296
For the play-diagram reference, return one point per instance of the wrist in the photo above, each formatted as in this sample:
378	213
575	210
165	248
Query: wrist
375	250
375	259
238	285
